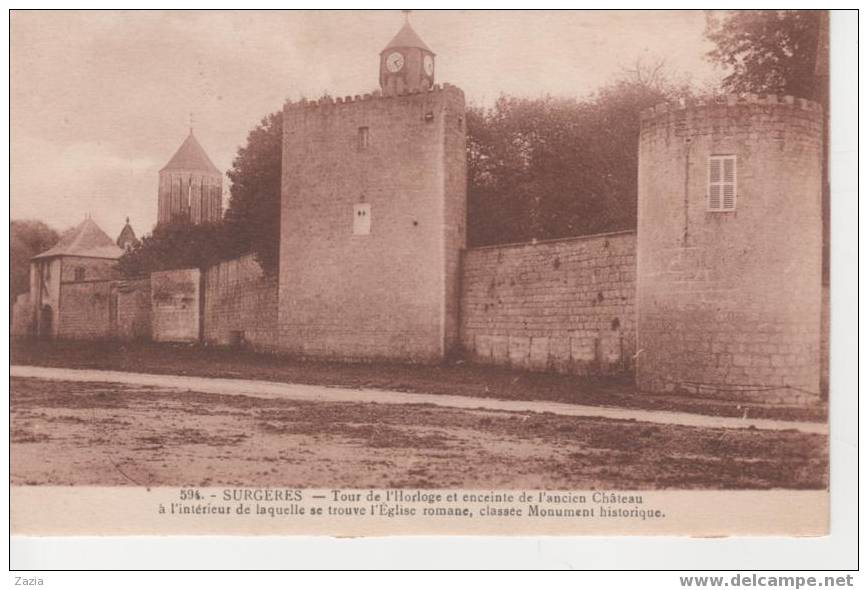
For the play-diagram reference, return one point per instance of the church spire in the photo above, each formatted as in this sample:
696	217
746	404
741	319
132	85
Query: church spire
191	156
127	238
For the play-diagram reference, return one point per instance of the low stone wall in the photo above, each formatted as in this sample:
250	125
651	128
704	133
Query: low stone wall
240	305
85	310
564	305
133	301
175	305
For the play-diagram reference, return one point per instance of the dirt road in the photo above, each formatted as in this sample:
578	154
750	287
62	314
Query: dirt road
75	433
319	393
448	379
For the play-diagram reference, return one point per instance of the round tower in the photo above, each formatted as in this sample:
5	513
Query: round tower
729	249
191	187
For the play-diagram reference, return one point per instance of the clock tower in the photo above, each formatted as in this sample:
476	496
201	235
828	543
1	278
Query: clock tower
373	209
406	63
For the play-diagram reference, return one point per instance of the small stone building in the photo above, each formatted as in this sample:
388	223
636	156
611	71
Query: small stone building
69	285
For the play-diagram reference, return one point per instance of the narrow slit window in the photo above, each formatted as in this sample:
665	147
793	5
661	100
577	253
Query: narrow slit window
79	273
721	183
364	138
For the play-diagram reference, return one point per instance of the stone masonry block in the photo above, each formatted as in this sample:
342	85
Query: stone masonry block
539	352
582	349
482	346
500	349
519	350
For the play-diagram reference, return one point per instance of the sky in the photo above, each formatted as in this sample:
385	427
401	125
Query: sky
102	99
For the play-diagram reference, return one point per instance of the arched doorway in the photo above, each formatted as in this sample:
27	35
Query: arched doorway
45	322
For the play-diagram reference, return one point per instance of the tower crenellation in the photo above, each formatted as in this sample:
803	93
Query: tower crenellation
729	100
371	96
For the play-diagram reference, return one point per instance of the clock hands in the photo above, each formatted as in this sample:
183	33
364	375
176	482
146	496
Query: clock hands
395	62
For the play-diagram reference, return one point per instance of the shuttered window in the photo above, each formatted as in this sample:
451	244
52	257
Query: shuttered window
721	183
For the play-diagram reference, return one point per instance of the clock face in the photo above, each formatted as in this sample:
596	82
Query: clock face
428	64
394	61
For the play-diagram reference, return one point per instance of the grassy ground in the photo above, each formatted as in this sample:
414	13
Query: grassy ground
453	378
70	433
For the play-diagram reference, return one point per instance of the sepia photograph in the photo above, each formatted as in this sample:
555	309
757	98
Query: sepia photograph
375	272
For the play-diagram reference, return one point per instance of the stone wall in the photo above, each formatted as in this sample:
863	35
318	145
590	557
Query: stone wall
133	309
565	305
85	310
175	305
240	305
391	293
729	302
84	268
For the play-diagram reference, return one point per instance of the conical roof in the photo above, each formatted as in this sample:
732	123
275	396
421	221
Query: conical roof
191	156
127	235
86	239
406	37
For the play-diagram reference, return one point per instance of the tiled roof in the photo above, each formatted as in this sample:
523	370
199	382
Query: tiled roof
86	239
406	37
191	156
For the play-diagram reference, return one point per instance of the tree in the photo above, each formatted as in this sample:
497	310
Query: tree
180	245
251	223
537	168
769	51
253	215
27	238
559	167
